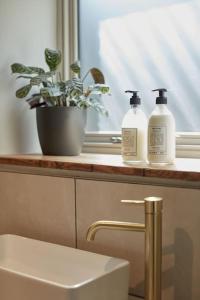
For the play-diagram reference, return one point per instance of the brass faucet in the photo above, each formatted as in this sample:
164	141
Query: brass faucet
153	241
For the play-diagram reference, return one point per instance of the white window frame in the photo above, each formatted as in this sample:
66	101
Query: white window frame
187	143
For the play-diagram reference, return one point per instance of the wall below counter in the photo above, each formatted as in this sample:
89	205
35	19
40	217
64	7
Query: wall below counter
134	298
38	207
27	28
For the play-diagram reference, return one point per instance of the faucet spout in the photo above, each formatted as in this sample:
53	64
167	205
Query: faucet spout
116	225
153	241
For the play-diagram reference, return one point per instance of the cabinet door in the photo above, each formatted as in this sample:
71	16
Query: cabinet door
98	200
39	207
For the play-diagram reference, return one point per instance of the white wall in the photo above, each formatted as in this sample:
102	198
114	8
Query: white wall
27	27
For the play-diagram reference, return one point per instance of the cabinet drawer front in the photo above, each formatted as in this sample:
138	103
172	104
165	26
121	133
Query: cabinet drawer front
97	200
39	207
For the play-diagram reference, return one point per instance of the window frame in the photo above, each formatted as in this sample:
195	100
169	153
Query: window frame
187	143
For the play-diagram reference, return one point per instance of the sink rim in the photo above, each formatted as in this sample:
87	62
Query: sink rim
112	264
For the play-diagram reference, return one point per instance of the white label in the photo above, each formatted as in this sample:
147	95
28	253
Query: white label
129	141
157	140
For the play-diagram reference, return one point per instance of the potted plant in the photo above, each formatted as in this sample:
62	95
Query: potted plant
60	105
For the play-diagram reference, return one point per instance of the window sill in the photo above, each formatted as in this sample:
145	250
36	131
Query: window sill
183	169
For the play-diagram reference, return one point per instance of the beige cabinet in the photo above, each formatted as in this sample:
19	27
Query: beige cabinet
97	200
39	207
43	207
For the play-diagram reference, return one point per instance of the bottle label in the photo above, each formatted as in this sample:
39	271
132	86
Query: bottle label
129	141
157	140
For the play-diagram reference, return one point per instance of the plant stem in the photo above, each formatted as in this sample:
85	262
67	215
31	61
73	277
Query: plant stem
59	76
85	75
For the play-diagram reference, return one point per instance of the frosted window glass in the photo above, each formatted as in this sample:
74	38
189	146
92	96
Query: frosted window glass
143	45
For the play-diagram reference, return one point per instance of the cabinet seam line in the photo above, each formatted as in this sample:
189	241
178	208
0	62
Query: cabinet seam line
75	198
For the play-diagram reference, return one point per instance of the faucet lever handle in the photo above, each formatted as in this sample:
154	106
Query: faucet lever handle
136	202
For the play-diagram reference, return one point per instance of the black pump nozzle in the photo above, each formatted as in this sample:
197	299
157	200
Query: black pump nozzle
161	99
134	100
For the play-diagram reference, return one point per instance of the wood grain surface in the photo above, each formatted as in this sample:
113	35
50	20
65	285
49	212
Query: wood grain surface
184	168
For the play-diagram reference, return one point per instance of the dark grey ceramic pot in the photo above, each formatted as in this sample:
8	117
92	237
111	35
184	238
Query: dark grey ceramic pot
61	130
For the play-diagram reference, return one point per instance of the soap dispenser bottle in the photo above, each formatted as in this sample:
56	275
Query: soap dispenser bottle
134	132
161	132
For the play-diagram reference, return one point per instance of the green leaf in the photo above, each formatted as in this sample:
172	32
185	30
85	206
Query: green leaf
62	86
77	85
42	78
84	104
36	81
24	76
53	58
50	92
23	92
36	70
22	69
75	67
104	88
45	92
55	91
73	87
99	89
48	74
97	75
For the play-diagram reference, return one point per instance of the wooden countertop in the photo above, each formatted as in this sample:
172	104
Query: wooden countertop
183	169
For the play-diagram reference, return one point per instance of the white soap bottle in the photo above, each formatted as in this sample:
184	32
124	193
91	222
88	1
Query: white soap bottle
134	132
161	133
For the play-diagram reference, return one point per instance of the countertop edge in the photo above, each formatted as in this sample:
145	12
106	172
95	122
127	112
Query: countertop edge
184	169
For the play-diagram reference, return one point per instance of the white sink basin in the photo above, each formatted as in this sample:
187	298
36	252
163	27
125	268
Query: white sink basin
35	270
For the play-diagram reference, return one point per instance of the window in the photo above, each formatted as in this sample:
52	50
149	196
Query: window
143	45
138	44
